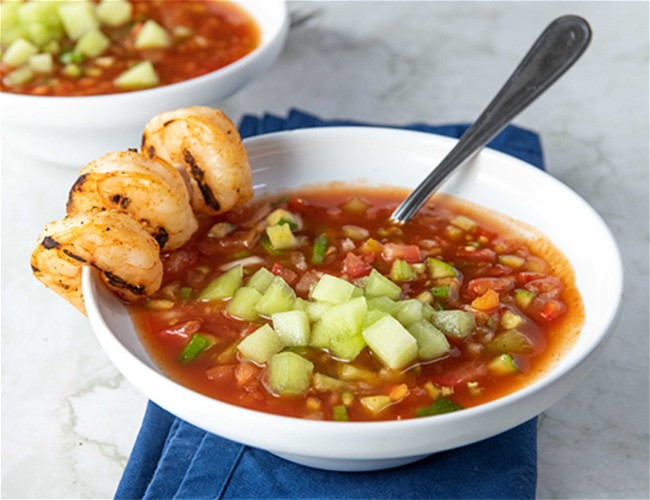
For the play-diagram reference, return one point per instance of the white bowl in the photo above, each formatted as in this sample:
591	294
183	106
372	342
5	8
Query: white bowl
72	131
385	156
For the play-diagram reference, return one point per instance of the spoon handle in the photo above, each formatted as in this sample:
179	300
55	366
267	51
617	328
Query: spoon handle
554	52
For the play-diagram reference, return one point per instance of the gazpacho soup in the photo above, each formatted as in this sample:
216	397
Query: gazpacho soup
83	47
313	305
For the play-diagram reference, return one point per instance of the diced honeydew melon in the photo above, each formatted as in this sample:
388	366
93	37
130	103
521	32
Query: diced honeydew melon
19	52
409	311
260	345
503	365
92	43
42	12
316	309
281	237
292	327
375	404
324	383
454	323
42	63
152	36
138	76
114	12
39	33
300	304
380	286
261	279
348	347
224	286
346	319
372	316
510	341
78	18
278	297
10	35
289	374
391	342
332	289
243	303
383	304
440	269
432	343
320	335
20	75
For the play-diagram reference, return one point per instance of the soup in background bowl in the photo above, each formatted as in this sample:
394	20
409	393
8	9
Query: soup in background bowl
369	157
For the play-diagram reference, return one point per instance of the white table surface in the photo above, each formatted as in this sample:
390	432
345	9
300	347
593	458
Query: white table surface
69	418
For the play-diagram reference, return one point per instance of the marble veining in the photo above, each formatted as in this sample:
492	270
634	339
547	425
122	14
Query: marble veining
69	419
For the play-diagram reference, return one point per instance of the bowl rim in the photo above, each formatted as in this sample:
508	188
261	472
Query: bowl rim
543	384
268	39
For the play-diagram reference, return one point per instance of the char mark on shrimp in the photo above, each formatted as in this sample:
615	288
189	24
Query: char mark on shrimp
49	243
199	176
74	256
161	236
118	282
120	200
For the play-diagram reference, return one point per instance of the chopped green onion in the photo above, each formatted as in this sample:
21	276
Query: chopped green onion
320	248
186	292
197	344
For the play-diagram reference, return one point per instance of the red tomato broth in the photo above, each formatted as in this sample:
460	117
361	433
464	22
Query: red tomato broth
222	33
320	208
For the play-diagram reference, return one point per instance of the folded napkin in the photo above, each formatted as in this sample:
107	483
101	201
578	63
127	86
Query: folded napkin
173	459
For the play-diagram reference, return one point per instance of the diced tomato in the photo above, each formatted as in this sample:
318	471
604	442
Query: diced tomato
220	372
409	253
548	287
180	260
355	266
478	286
489	300
546	309
286	274
245	372
464	372
480	255
306	281
526	276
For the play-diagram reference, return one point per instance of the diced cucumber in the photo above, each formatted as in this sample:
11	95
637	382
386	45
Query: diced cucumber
510	341
409	311
340	413
292	327
440	269
348	371
332	289
243	303
380	286
42	63
510	320
324	383
78	18
383	304
224	286
454	323
503	365
289	374
114	12
18	53
427	311
432	343
261	279
152	36
260	345
464	223
315	310
281	237
138	76
523	298
72	70
278	297
391	342
282	216
402	271
92	43
20	75
513	261
375	404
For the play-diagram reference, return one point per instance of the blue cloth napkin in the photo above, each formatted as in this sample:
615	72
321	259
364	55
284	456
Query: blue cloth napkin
173	459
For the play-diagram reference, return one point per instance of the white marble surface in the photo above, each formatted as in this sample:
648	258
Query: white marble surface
68	417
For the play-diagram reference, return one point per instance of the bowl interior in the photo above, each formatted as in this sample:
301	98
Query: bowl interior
400	158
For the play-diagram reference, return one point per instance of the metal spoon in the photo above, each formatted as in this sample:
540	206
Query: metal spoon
558	47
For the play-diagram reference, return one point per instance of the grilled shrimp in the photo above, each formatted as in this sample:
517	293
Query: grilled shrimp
150	190
207	145
127	256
